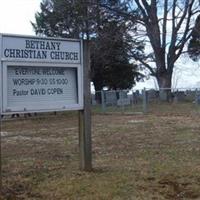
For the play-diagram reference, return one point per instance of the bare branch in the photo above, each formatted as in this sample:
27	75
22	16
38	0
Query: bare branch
164	31
142	61
177	48
145	16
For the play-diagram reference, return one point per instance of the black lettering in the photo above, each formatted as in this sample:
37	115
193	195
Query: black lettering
48	46
18	55
27	44
37	44
16	81
58	45
62	81
53	46
32	44
44	54
42	45
54	55
16	71
30	53
20	92
14	92
53	91
37	92
12	53
32	91
67	56
62	56
25	53
6	53
39	56
25	81
76	56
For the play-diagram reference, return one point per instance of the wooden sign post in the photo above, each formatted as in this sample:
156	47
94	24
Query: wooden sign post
0	157
85	145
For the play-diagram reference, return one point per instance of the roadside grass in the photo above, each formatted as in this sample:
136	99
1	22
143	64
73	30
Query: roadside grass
152	156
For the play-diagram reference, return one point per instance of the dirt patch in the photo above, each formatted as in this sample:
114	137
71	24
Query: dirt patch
177	189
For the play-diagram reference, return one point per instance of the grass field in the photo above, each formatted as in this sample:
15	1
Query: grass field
135	157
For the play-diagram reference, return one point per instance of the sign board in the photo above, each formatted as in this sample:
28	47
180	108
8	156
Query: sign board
40	74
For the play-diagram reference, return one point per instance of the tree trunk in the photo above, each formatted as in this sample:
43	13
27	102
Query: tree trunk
98	87
165	84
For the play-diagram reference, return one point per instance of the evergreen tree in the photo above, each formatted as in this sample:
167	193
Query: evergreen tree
64	18
108	31
111	65
194	44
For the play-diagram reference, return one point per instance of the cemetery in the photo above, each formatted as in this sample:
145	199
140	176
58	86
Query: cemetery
100	101
151	156
112	144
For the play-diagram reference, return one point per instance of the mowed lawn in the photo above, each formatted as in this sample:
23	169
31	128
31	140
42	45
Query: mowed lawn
152	156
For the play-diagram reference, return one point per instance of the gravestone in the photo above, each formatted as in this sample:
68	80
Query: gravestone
180	96
137	97
152	95
134	98
123	102
94	103
123	99
110	98
190	95
163	95
123	94
198	99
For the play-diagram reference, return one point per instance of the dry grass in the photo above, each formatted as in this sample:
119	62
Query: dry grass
154	156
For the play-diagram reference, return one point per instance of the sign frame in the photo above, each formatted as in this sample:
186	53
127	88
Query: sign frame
45	107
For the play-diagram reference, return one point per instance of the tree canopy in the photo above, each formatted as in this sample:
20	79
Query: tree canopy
108	31
110	58
165	26
194	44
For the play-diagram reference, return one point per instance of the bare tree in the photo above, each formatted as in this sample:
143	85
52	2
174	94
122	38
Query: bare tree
167	26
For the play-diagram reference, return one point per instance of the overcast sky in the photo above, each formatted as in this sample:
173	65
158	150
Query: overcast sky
15	18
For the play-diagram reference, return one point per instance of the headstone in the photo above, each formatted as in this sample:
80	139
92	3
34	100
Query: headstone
180	95
94	103
198	99
123	94
139	96
175	99
163	95
152	95
134	98
123	102
190	95
110	98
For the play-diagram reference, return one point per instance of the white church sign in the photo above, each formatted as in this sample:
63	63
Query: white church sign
40	74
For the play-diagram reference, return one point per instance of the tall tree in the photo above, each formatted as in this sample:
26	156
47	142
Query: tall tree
65	18
194	43
111	65
87	19
166	26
